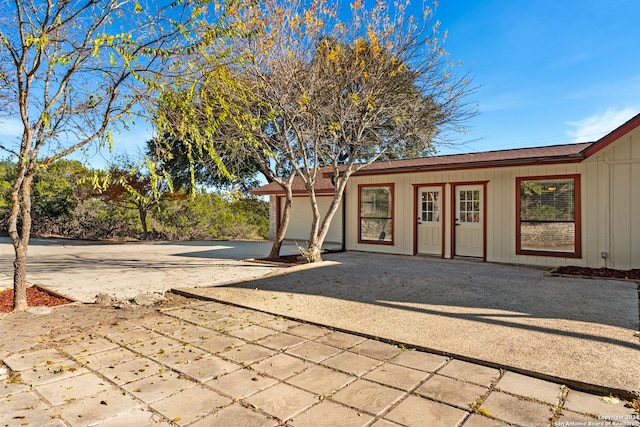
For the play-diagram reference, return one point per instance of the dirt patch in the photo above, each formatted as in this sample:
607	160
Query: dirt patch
601	273
35	298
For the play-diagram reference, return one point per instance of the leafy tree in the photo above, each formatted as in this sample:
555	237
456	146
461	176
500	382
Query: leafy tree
172	156
57	190
7	170
311	90
76	70
136	186
211	215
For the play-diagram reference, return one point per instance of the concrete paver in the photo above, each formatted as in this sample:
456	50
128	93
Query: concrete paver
419	360
340	339
52	371
321	381
65	390
376	349
313	351
241	383
129	372
396	376
589	404
451	391
134	418
368	396
248	354
329	414
480	421
531	388
351	363
470	372
25	407
235	415
282	401
281	366
413	412
93	409
157	386
252	332
281	341
188	405
517	410
308	331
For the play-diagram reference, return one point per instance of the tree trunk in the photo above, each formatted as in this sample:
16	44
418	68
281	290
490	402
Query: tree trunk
20	210
314	249
143	220
319	234
284	223
20	280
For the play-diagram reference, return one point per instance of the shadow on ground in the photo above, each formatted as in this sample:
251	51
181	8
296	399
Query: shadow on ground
415	283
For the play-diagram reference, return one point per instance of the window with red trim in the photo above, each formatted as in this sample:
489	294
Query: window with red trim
548	221
376	213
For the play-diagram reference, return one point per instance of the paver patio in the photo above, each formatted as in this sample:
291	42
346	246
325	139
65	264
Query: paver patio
97	373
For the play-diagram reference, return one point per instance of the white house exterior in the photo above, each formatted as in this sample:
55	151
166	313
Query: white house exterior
576	204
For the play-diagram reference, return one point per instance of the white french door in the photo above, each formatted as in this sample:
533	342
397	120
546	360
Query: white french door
430	220
468	224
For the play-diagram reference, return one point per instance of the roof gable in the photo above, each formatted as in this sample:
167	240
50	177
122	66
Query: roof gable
613	136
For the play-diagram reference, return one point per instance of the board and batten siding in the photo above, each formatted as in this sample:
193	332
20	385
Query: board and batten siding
301	216
614	186
621	239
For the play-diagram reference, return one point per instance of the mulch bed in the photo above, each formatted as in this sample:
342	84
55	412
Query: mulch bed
606	273
35	297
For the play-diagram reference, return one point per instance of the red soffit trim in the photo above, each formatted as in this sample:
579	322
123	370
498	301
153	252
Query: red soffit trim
608	139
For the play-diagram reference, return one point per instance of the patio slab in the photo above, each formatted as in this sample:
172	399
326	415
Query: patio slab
576	331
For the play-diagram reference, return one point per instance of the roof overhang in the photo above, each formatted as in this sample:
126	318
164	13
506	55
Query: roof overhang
610	138
576	158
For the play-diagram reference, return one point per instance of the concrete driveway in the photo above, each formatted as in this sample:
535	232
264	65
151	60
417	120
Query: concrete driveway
82	269
574	330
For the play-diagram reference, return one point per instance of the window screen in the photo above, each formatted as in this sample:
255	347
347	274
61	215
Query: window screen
376	213
547	217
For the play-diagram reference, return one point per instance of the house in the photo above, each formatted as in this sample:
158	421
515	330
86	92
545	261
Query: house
574	204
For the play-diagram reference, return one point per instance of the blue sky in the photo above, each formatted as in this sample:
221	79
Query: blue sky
548	71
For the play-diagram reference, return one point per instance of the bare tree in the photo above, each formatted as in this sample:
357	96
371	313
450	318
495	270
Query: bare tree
316	87
77	70
345	92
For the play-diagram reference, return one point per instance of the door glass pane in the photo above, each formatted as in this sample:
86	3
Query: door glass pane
430	205
469	205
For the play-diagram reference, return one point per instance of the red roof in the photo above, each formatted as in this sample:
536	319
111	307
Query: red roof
520	156
567	153
323	185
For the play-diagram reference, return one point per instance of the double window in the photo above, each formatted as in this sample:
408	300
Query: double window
548	217
376	213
